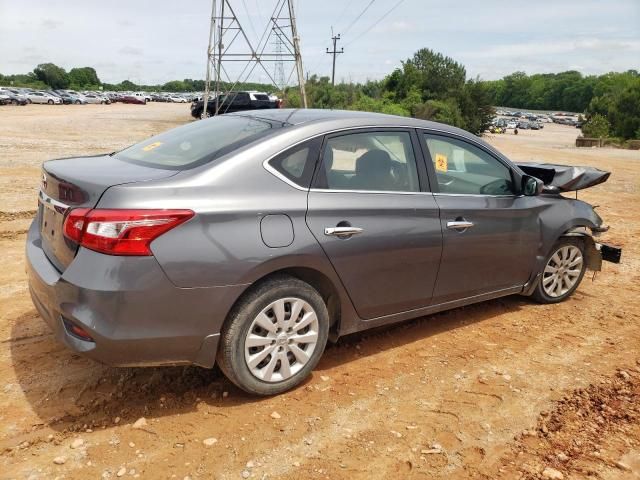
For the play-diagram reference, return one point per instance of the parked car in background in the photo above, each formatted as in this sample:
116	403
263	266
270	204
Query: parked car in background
10	98
95	98
524	125
134	98
234	102
146	96
74	98
43	97
176	99
250	239
512	124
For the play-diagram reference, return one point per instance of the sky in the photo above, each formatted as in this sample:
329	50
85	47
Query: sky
154	41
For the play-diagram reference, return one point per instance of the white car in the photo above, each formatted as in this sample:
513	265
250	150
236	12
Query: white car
146	96
512	125
42	97
176	99
93	98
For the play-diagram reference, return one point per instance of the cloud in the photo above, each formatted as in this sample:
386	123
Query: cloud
399	26
561	46
129	50
50	24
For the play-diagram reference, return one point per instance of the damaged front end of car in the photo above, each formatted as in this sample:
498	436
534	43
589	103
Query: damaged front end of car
565	178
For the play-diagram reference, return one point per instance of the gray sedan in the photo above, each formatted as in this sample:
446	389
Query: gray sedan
252	239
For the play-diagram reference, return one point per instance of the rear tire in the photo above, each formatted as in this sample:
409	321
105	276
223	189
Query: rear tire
50	102
562	272
261	334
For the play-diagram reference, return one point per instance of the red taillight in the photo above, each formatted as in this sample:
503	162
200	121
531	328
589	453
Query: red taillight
121	232
74	224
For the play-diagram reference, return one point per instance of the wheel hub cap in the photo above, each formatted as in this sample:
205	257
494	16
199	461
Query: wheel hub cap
281	339
562	271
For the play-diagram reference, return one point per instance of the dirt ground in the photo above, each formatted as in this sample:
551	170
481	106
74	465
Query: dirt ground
503	389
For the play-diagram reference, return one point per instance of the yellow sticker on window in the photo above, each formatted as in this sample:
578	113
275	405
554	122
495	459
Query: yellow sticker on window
441	162
151	146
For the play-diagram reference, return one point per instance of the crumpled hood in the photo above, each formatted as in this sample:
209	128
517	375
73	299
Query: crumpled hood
565	177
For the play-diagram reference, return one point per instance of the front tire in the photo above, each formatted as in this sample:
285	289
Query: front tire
563	271
274	337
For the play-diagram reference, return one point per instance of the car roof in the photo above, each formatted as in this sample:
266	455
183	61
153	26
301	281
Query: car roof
299	116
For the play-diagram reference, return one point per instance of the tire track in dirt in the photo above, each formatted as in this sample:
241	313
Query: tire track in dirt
23	215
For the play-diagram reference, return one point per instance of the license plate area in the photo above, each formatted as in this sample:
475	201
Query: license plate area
51	221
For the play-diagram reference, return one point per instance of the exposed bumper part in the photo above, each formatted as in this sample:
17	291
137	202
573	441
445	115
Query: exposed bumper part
610	253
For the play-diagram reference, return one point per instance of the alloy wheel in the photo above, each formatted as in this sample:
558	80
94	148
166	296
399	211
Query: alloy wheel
281	339
562	271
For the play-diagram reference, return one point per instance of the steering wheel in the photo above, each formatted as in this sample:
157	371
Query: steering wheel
399	172
497	187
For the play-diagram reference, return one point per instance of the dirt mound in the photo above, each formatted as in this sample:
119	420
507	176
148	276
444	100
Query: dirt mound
573	438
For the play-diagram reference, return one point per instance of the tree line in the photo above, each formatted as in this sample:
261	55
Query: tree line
428	85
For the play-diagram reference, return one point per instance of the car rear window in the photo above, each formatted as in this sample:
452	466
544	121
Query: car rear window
196	143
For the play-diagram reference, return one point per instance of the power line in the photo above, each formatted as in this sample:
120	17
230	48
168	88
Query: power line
246	10
375	23
344	10
358	17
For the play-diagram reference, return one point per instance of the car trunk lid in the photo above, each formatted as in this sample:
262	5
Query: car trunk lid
79	182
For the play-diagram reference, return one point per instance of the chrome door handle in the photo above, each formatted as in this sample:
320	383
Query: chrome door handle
459	225
342	232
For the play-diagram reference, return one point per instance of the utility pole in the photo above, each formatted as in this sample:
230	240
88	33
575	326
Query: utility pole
334	52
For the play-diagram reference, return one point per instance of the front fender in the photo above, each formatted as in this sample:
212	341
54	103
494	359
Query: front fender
565	217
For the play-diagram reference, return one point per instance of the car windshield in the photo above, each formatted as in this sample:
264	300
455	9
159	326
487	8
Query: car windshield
196	143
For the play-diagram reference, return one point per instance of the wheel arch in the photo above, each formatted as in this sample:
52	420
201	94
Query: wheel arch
579	229
316	279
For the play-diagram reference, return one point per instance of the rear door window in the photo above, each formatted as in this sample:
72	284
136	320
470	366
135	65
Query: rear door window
369	161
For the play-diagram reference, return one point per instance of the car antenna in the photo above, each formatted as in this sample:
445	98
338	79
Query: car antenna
286	120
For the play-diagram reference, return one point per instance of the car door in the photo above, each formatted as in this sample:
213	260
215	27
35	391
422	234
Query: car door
490	231
371	210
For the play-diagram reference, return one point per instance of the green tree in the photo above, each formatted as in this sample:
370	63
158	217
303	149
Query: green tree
175	86
596	127
624	113
433	74
83	77
443	111
476	107
54	76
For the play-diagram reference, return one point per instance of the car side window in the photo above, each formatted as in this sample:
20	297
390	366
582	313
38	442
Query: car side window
463	168
297	163
371	161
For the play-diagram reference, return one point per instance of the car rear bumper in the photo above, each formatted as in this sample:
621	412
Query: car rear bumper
131	310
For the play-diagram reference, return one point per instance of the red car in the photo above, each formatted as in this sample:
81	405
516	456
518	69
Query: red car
134	99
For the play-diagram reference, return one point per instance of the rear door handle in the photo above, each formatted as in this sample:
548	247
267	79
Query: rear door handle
459	225
342	232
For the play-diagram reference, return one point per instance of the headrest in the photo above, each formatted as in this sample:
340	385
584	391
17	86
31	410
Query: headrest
373	162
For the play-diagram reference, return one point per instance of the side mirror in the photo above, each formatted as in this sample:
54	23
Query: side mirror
531	186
